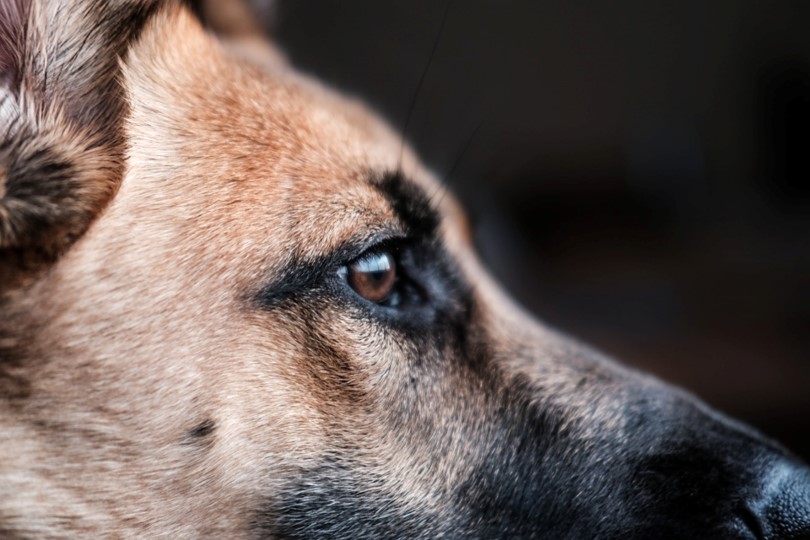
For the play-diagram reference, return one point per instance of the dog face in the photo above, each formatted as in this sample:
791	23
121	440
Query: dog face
235	305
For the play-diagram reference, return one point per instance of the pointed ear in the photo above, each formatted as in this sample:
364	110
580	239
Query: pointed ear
229	18
247	24
61	116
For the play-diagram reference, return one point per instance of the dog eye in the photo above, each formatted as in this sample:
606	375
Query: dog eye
372	276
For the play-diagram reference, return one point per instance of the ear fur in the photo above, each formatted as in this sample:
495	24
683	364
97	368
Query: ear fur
13	14
61	115
229	18
244	24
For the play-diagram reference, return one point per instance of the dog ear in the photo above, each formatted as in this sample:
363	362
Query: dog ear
61	115
246	23
229	18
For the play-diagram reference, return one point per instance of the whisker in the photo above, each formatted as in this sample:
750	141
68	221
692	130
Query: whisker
464	148
415	97
444	185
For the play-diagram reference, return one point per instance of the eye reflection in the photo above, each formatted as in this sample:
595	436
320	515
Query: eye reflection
372	276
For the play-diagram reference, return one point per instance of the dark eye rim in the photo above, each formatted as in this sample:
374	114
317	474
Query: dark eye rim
412	295
418	259
390	247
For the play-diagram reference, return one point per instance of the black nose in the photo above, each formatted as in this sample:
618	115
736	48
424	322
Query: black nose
783	511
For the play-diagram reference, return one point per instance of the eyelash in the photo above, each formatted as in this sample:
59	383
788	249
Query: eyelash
406	292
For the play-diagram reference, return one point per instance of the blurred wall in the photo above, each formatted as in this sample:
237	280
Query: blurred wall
638	172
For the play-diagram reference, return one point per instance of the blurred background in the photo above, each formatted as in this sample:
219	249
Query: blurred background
638	173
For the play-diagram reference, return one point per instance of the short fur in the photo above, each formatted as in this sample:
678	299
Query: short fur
179	356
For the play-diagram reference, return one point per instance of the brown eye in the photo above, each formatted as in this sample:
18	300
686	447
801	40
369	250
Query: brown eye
372	276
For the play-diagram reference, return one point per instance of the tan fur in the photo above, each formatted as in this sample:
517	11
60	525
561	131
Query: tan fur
273	159
223	164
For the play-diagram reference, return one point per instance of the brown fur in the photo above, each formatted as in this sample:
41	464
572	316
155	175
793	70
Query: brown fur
154	249
61	112
144	393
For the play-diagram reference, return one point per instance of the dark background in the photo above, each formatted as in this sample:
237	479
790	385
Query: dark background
638	172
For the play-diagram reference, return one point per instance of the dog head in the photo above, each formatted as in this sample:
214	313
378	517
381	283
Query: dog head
233	304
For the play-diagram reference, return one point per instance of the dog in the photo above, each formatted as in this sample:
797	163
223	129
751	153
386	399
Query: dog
235	305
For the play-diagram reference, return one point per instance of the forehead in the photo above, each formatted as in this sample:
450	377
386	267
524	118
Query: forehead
236	168
258	143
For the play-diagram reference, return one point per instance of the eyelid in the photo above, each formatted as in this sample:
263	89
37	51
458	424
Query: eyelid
371	253
301	274
374	245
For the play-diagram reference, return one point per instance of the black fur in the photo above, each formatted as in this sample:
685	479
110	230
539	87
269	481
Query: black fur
50	192
603	454
676	471
202	430
532	481
410	203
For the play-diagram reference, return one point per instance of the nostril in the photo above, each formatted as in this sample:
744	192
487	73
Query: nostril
752	522
785	508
